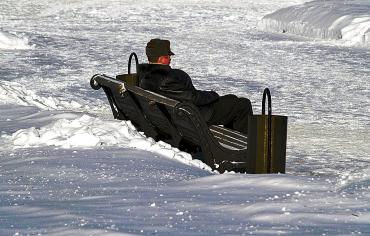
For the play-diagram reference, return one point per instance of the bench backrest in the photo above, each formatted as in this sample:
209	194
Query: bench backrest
165	115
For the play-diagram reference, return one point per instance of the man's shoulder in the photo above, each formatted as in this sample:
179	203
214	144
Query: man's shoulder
179	73
178	70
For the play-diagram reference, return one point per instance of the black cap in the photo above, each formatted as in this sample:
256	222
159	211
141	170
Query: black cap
158	47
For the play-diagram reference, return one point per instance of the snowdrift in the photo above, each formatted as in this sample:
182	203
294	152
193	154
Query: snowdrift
13	41
76	130
346	21
70	130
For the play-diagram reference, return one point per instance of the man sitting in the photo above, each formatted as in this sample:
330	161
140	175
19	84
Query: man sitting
157	76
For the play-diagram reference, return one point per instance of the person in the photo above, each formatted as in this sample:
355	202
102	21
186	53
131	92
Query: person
157	76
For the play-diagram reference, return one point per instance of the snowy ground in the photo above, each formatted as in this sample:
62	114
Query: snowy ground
61	174
346	21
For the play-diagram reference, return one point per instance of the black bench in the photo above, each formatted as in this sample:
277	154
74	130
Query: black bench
177	123
181	125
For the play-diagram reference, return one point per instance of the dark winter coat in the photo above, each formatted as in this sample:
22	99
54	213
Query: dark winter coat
176	84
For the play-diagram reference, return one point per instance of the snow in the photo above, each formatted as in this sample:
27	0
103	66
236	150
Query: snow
13	41
346	21
68	168
13	92
83	131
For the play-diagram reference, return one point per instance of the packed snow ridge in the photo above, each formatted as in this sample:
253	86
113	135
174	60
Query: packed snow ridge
85	131
13	41
82	131
346	21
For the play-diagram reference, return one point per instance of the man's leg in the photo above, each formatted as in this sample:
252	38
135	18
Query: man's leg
232	112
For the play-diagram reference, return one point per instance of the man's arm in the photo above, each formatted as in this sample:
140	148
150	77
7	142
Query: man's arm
178	85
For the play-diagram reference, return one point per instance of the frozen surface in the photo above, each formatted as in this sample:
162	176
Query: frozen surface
346	21
68	168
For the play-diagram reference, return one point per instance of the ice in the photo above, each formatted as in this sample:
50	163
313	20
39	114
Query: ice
346	21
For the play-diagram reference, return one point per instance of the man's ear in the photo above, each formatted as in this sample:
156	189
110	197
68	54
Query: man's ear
165	60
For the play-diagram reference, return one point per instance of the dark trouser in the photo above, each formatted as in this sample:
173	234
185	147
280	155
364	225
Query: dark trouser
232	112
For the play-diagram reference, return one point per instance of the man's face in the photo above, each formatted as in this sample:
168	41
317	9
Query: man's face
164	60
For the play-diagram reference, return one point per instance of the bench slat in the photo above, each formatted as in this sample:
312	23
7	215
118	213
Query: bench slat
229	140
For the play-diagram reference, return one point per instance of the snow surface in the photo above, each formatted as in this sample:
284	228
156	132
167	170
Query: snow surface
347	21
68	168
85	131
13	41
